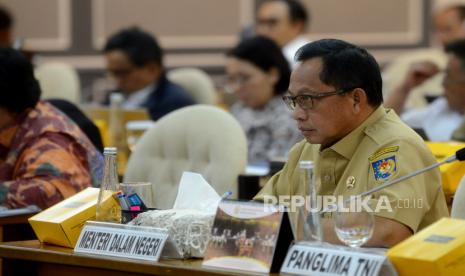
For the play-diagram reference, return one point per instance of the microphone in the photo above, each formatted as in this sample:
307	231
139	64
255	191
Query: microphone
459	155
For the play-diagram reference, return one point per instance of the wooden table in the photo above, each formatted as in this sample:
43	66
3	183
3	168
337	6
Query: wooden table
34	258
14	228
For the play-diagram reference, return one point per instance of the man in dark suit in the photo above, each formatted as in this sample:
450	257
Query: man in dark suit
134	58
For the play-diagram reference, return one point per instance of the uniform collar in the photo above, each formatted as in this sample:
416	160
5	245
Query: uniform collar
347	145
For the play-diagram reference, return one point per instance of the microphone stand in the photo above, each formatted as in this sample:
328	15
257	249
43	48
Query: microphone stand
460	155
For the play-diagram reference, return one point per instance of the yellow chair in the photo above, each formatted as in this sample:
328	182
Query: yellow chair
451	173
101	117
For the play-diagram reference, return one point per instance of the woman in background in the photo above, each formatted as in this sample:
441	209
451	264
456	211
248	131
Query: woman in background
258	74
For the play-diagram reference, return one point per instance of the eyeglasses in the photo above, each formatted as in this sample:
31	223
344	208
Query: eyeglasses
121	73
307	101
234	82
267	22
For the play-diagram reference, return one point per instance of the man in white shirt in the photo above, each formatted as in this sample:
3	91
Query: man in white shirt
284	21
443	116
448	25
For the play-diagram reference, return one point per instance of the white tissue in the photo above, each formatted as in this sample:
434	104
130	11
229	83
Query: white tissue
196	193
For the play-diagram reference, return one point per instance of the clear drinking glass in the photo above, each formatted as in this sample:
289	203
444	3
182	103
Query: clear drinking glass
134	130
353	226
143	189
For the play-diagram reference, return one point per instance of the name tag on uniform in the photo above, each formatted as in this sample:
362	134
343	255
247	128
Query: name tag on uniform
317	259
108	240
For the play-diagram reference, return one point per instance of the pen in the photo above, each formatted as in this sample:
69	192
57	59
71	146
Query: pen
122	200
226	195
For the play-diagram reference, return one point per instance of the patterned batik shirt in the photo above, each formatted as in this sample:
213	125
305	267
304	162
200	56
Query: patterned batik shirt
44	158
270	131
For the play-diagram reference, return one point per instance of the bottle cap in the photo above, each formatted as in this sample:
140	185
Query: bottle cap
110	150
306	164
116	98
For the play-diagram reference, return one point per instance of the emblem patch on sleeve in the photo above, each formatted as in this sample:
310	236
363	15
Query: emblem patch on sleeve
384	168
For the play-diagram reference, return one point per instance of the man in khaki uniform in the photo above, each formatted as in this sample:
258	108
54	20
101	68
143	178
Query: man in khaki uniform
335	93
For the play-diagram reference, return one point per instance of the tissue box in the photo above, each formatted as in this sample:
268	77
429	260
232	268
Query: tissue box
61	224
437	250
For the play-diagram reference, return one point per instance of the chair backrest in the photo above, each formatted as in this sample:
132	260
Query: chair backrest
200	138
458	205
196	82
59	81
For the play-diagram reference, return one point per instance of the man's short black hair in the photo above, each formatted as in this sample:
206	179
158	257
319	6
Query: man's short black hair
18	87
265	54
141	47
6	20
345	66
457	48
461	11
297	11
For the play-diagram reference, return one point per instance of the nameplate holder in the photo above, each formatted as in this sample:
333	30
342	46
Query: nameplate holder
305	258
135	242
248	236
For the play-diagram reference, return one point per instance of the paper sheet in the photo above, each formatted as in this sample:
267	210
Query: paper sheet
196	193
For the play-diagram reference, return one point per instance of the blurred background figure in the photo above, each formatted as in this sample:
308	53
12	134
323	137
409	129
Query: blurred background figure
425	64
135	60
44	156
258	74
284	21
448	21
445	114
6	28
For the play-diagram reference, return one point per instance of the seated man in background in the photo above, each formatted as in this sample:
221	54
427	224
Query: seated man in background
448	25
134	58
285	22
44	156
336	96
444	115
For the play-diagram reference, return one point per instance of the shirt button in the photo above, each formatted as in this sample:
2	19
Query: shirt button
327	178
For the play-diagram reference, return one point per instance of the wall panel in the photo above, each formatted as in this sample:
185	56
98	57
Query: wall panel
45	25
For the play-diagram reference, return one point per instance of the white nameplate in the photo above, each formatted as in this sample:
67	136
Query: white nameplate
111	241
307	259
